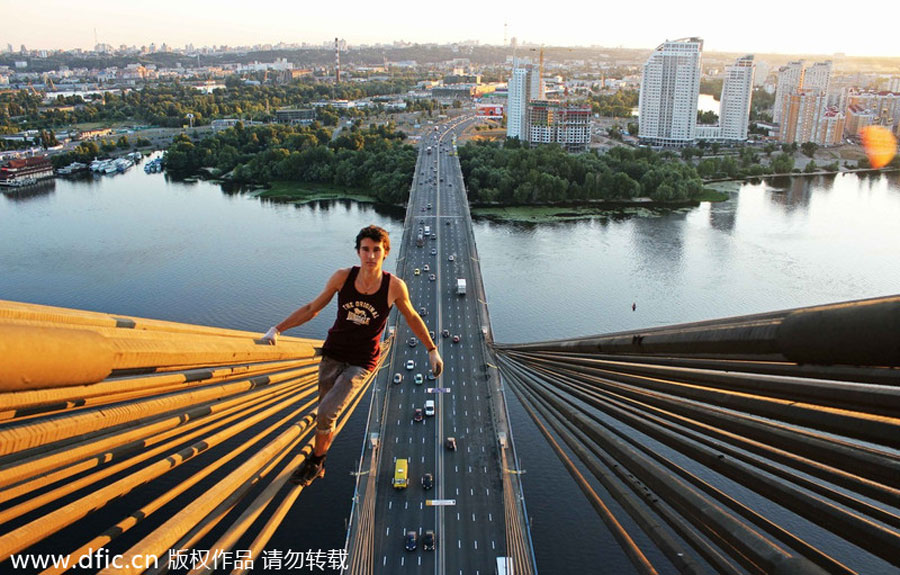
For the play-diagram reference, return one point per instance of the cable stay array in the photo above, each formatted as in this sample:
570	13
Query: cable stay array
764	444
146	437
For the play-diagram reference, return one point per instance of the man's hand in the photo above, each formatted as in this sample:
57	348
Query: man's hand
271	336
437	364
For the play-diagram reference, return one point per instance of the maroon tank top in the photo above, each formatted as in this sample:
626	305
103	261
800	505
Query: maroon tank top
354	337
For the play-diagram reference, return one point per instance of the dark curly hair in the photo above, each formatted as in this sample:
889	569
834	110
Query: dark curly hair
375	234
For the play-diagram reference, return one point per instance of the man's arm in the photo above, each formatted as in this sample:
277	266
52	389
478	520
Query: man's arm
417	326
310	310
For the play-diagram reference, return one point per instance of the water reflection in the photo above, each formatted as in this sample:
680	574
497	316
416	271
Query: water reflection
28	193
723	216
795	196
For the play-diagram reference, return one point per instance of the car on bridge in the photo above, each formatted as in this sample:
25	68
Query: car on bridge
434	251
452	257
410	365
456	339
428	541
450	444
416	272
432	277
427	481
423	312
445	333
419	379
398	378
410	541
418	415
426	268
431	376
429	408
411	342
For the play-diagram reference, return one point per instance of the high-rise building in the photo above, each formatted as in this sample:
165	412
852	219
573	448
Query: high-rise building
737	89
831	127
802	114
761	73
818	77
670	86
519	93
554	122
790	79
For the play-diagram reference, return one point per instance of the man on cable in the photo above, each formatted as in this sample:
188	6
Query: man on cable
366	294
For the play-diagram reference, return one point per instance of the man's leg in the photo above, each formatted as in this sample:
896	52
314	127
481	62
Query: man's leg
338	384
324	437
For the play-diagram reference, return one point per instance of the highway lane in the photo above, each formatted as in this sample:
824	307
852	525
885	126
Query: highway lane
470	533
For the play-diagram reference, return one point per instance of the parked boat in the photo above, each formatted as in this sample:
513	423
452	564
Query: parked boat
99	166
122	164
73	168
153	166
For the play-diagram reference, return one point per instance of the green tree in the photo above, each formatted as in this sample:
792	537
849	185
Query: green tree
47	139
707	117
809	148
783	163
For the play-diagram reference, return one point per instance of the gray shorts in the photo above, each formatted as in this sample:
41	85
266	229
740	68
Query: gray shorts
338	384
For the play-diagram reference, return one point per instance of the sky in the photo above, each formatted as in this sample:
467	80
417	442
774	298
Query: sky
754	26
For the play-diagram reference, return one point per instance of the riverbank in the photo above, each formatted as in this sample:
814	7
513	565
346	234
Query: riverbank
304	193
609	209
730	185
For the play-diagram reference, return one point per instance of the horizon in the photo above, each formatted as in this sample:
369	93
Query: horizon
54	25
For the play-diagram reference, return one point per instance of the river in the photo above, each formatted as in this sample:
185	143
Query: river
144	245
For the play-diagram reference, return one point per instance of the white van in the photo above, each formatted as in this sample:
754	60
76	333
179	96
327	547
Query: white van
429	407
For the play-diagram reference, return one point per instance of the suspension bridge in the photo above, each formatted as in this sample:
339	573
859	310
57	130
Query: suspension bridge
763	444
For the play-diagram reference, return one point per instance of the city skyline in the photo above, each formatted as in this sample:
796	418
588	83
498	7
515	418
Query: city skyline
782	28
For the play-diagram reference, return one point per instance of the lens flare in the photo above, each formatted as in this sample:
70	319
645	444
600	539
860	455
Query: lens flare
880	145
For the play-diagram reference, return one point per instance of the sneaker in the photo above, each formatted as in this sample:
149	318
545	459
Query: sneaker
312	468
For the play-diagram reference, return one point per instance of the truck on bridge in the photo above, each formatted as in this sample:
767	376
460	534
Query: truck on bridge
461	286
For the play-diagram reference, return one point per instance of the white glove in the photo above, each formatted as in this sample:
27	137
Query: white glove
437	364
271	336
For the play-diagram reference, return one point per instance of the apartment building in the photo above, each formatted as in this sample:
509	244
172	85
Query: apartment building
555	122
524	86
670	85
737	90
790	79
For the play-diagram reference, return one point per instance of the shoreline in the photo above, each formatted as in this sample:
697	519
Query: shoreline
301	194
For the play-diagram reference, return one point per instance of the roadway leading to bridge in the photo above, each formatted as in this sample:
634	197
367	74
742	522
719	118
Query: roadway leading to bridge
471	529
